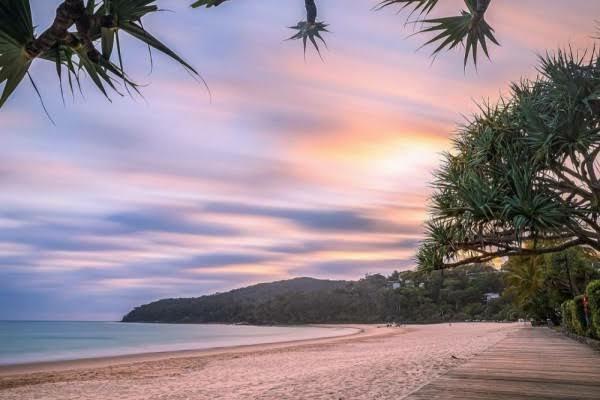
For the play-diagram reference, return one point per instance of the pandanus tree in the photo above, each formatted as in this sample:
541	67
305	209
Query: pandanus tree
84	37
523	178
71	41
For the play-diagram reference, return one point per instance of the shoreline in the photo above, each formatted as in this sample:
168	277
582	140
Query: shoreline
373	362
107	361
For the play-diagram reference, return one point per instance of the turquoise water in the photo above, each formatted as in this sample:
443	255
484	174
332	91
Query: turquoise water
33	341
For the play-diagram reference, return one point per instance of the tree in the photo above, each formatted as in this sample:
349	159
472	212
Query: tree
84	34
523	177
526	285
540	284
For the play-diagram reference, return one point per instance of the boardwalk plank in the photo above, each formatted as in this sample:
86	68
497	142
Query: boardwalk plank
532	364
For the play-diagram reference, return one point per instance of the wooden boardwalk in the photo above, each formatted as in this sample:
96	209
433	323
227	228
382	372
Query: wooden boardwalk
532	363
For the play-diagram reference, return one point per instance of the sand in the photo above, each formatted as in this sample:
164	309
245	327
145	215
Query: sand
376	363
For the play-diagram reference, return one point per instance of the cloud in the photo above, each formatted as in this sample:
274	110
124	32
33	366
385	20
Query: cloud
165	221
293	168
314	219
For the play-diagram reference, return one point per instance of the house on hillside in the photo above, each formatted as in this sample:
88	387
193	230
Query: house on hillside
491	296
395	284
407	283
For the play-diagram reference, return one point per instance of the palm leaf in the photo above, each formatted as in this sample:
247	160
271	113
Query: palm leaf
102	74
108	41
422	7
16	30
140	33
207	3
309	31
464	29
128	15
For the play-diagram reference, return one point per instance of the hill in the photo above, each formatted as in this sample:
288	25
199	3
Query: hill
410	296
229	307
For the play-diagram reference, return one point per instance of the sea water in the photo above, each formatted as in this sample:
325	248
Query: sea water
34	341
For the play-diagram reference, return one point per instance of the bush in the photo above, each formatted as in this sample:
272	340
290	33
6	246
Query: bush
567	315
579	322
593	292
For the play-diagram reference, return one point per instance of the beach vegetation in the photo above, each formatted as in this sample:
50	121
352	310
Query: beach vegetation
579	321
593	295
540	285
567	314
522	178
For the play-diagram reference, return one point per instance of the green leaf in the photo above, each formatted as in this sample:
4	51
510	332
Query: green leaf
308	31
16	30
422	7
465	30
140	33
207	3
108	41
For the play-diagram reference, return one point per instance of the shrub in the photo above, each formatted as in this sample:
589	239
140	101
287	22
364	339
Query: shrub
593	292
579	322
567	315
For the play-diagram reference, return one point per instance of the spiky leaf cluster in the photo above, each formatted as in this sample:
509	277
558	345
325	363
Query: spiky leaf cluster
469	29
309	31
106	21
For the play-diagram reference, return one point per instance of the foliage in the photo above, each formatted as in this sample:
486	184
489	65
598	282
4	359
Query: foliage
567	314
207	3
74	52
82	25
578	320
526	284
306	30
523	175
423	297
539	285
468	29
593	292
16	31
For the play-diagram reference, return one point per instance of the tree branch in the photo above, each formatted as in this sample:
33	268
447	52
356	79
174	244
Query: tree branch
514	252
66	15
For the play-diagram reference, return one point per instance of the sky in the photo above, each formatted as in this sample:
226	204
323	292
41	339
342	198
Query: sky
291	168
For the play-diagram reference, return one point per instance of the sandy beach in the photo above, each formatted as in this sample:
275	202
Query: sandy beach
376	363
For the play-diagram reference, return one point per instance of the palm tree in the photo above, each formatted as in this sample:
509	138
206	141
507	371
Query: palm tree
524	281
75	51
523	171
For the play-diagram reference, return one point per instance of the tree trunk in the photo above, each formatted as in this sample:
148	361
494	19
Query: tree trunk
311	11
574	291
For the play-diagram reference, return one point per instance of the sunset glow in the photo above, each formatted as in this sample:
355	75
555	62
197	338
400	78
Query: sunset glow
293	168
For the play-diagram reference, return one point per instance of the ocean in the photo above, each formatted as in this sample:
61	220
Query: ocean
35	341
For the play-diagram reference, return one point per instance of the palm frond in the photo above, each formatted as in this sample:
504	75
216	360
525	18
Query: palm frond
127	16
207	3
103	74
16	31
309	31
466	29
137	31
422	7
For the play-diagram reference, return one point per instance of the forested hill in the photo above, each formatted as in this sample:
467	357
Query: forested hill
455	295
231	307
